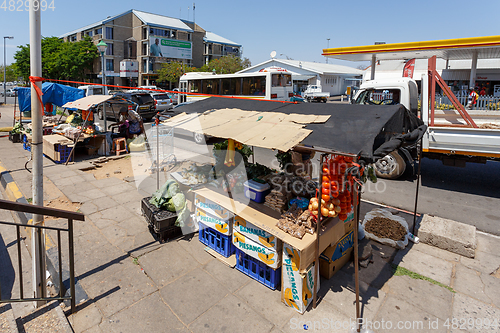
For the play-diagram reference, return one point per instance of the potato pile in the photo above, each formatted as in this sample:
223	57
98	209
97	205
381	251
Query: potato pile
297	222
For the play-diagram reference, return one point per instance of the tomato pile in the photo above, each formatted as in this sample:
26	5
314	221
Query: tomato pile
335	193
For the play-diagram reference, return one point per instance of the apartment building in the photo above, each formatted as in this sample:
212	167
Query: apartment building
140	42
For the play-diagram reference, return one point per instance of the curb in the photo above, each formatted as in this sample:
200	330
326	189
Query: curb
14	194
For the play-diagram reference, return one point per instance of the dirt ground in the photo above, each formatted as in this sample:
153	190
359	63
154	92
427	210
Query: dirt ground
130	166
58	199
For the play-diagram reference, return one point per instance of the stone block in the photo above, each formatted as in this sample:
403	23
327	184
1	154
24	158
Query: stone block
448	235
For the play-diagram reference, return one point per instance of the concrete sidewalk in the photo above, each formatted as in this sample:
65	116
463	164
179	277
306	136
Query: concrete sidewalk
134	284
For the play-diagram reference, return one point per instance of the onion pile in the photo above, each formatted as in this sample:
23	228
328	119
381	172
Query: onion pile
335	197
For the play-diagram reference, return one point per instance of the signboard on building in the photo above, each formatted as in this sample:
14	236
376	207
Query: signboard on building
170	48
129	68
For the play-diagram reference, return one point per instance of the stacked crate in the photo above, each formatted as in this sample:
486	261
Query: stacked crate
258	253
215	226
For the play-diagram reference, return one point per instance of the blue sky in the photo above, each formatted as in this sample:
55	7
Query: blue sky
295	29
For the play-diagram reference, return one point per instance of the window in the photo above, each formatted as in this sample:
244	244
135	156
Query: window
89	33
231	86
189	37
98	31
144	49
72	38
145	33
281	80
254	86
195	86
210	87
109	49
109	33
110	65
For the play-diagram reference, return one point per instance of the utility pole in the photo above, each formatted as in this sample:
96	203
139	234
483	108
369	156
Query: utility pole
327	46
5	69
37	235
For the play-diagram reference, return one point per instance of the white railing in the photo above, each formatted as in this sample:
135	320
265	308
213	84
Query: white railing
482	103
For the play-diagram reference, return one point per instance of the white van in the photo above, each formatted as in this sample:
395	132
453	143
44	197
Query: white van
93	90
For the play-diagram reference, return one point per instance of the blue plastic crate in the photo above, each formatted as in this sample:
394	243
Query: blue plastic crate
257	270
25	138
218	242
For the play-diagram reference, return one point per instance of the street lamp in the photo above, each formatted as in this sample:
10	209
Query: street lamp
5	69
102	46
327	46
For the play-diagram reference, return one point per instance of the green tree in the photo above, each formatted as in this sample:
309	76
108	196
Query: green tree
60	60
171	72
226	65
10	73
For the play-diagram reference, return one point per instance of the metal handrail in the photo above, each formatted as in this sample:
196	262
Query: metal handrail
70	216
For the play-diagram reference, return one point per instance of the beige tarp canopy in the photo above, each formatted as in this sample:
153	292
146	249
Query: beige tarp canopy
272	130
87	102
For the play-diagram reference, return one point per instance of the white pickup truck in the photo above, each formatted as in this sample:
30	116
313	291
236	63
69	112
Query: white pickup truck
313	93
448	138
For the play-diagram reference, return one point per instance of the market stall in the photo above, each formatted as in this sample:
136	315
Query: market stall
348	137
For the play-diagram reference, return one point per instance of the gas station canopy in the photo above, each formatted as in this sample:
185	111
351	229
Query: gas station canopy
449	49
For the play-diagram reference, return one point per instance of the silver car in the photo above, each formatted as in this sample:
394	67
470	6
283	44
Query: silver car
162	101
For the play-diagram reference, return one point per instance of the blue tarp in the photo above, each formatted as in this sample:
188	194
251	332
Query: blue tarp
57	94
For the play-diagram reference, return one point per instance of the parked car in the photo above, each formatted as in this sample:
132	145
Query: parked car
9	92
162	101
143	103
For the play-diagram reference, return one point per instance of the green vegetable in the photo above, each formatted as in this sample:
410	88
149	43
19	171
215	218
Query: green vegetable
182	217
176	203
18	127
164	193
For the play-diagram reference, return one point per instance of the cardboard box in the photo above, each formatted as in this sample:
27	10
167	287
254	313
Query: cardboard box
333	232
297	288
349	223
212	208
224	226
336	256
327	268
256	234
268	256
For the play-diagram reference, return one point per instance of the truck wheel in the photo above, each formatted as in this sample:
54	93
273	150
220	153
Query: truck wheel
391	166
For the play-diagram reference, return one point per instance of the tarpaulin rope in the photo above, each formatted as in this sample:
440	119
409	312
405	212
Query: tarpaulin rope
39	93
163	90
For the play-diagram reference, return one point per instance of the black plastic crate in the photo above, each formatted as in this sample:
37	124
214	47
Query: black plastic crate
160	219
15	138
166	234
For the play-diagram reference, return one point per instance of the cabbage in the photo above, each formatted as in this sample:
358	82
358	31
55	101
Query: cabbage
177	203
164	193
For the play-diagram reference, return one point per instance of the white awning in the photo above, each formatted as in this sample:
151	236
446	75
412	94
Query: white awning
87	102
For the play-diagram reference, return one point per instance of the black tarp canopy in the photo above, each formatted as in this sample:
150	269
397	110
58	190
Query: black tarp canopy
372	131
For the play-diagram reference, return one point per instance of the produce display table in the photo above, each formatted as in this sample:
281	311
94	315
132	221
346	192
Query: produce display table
265	218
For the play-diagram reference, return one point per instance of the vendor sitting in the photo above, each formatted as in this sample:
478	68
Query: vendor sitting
129	124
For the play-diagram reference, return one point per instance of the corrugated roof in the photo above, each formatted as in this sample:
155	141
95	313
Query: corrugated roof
315	67
161	21
147	18
214	38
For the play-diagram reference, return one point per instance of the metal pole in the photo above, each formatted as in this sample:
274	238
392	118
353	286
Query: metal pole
38	242
418	185
4	73
327	47
5	69
103	80
318	229
157	154
356	254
